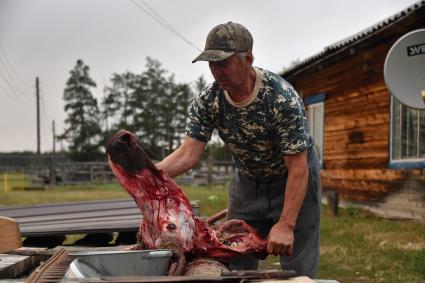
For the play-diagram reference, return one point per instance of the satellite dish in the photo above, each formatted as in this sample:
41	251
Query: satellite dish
404	69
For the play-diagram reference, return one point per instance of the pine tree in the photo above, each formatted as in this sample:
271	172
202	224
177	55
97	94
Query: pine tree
182	96
200	84
116	110
116	104
82	129
150	102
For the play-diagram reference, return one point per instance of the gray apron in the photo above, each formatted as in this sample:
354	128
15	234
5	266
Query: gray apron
260	204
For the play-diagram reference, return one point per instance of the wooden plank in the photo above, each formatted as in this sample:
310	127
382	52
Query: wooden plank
355	138
366	147
10	237
364	174
346	120
13	265
357	121
353	153
360	185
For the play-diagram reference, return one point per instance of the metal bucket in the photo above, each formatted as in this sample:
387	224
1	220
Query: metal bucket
127	263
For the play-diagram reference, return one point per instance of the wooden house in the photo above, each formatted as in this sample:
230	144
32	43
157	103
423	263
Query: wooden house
371	146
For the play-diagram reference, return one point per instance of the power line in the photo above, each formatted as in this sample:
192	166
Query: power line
12	89
161	19
6	76
156	17
11	66
9	79
12	97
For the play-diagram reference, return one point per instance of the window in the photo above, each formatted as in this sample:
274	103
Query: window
407	134
315	126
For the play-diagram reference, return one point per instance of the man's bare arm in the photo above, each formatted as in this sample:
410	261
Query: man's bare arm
281	237
296	187
183	158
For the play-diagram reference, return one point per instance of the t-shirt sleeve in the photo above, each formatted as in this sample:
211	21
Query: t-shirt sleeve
200	123
290	121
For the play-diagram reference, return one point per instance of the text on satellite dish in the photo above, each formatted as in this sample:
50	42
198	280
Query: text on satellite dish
416	49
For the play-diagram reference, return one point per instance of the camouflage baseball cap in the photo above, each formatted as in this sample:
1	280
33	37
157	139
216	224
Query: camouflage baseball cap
224	40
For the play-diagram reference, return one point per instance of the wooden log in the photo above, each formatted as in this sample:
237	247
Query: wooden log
353	185
364	174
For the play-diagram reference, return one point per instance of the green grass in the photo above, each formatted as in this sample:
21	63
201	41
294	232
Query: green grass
356	246
211	200
62	194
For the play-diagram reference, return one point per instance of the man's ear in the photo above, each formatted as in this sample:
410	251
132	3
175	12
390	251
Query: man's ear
249	57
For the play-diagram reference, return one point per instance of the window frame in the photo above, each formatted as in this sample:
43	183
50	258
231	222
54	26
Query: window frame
403	163
317	100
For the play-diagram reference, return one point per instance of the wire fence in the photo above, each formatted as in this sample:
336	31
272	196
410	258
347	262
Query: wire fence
35	174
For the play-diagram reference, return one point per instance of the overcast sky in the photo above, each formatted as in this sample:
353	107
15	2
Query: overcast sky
45	38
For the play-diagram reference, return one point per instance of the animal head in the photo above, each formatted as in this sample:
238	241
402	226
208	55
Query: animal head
124	150
167	215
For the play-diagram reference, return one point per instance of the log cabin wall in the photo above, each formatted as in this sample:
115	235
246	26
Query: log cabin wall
356	135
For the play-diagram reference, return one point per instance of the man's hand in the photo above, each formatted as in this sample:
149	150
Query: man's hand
280	240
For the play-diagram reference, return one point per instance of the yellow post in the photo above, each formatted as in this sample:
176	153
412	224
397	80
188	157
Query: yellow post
5	182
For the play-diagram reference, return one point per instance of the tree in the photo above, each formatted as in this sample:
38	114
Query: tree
116	110
175	114
82	129
200	84
116	103
151	104
218	151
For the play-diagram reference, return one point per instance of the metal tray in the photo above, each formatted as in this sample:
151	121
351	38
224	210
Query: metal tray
127	263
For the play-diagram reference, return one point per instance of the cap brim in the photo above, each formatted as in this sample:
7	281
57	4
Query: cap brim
213	55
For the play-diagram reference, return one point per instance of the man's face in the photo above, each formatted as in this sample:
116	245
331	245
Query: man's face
230	72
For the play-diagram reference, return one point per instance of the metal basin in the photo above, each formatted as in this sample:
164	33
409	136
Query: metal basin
127	263
79	268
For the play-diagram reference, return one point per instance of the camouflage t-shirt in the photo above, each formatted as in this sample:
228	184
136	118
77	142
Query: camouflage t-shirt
259	131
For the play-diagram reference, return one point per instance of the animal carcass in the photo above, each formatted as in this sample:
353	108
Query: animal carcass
167	218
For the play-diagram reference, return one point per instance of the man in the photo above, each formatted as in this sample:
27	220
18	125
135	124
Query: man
261	118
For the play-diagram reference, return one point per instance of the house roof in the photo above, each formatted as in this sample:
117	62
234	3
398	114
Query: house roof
332	49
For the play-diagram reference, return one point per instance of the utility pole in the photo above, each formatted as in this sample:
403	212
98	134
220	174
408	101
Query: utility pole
37	94
53	161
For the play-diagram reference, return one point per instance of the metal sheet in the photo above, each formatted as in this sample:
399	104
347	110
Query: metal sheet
75	218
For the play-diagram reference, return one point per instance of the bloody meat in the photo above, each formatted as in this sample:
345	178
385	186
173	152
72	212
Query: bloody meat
167	218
